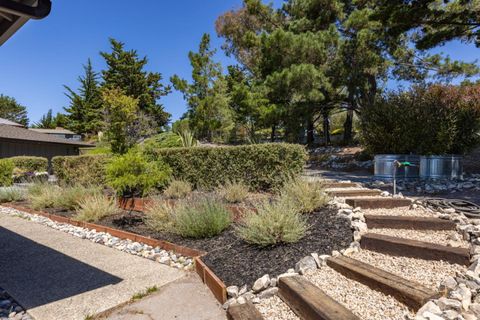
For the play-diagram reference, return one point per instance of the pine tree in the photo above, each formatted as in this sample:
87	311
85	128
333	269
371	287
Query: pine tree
126	72
11	110
207	96
84	115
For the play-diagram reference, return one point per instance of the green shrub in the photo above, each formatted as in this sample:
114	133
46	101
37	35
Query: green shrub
162	140
178	189
95	207
273	223
11	195
83	170
424	120
159	215
132	174
6	172
305	196
46	196
204	219
70	196
261	166
31	164
233	192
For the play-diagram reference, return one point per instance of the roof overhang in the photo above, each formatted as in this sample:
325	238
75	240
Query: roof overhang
15	13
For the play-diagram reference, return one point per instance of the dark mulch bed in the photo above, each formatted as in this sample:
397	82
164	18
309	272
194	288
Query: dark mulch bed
233	260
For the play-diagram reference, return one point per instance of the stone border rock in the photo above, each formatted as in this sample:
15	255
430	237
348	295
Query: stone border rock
140	249
11	309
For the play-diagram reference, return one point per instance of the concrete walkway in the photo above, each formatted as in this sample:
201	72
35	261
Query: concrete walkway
185	298
57	276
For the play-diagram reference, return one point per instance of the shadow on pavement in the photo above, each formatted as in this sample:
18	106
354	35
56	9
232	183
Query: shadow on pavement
36	275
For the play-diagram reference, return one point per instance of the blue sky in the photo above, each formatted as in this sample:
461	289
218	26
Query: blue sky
44	55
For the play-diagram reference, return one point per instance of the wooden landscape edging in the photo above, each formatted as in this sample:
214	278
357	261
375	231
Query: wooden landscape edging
208	277
406	222
140	204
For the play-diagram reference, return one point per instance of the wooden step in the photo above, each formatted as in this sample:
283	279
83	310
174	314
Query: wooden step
341	185
406	222
309	302
246	311
354	193
414	248
412	294
378	203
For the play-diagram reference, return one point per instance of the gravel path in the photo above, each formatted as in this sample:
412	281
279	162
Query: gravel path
366	303
275	309
427	272
447	238
402	211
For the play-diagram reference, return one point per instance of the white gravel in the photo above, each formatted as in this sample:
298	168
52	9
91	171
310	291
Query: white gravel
427	272
443	237
401	211
275	309
364	302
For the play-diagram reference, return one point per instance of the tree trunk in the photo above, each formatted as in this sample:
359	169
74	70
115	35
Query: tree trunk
272	134
326	129
348	127
310	131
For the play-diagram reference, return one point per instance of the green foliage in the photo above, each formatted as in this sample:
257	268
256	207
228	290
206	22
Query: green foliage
11	110
49	121
305	196
434	120
132	174
272	224
126	72
71	196
84	170
160	141
233	192
44	196
95	207
143	294
30	163
159	215
261	167
203	219
178	189
187	138
6	172
121	113
11	195
209	113
84	114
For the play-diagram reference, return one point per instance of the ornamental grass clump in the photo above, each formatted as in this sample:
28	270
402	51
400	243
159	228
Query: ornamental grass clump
95	207
204	219
178	189
233	192
71	196
305	196
273	223
159	215
11	195
44	195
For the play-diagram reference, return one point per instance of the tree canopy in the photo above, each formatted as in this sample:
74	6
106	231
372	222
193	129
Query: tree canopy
11	110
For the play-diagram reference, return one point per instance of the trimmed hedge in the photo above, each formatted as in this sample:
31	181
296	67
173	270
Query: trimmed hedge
30	164
259	166
6	172
85	169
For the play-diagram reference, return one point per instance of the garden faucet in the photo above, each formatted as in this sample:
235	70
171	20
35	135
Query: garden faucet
397	164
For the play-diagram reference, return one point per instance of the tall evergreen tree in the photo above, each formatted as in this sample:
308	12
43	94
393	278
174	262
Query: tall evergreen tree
47	121
84	114
207	96
11	110
125	71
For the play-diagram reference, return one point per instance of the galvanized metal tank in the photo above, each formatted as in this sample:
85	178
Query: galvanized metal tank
384	166
441	167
